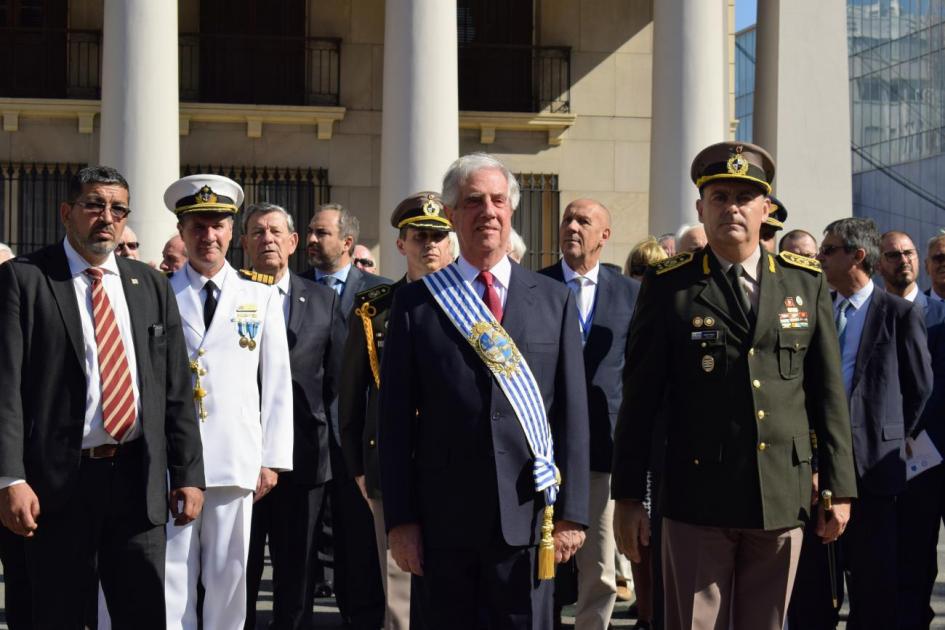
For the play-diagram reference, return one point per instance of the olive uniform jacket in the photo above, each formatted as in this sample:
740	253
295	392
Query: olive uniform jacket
357	401
738	400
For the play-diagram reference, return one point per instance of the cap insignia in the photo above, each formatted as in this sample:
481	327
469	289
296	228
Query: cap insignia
206	195
737	164
430	207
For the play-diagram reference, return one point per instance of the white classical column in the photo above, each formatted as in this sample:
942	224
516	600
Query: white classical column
689	92
802	108
140	121
420	135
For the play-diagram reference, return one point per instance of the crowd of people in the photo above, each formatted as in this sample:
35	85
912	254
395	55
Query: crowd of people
737	427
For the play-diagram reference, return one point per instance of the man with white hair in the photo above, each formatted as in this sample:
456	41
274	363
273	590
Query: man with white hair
472	433
691	238
6	253
128	244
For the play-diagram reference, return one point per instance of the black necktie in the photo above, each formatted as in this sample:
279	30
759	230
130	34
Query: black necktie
210	305
733	275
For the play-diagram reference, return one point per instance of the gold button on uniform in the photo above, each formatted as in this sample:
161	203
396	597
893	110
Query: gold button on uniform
751	352
696	462
756	384
371	442
761	414
762	446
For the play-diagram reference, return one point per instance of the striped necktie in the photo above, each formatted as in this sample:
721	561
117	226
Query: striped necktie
118	399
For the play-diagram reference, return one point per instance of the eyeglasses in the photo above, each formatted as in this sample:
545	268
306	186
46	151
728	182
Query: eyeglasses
97	208
938	259
828	250
129	245
364	262
895	255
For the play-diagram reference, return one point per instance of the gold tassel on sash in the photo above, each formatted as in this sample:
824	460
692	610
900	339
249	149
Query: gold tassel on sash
546	548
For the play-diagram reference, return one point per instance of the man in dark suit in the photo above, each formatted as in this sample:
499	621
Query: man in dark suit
424	242
605	301
734	349
332	234
887	374
463	498
290	514
919	507
94	423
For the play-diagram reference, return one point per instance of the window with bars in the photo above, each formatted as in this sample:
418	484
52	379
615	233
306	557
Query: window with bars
537	218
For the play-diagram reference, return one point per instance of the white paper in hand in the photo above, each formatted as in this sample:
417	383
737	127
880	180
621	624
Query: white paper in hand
924	455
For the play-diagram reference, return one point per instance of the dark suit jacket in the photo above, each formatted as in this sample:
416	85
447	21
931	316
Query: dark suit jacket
357	397
604	355
316	336
357	281
42	411
933	414
453	455
891	382
738	401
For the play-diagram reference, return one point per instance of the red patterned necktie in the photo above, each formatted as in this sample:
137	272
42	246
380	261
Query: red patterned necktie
118	399
491	296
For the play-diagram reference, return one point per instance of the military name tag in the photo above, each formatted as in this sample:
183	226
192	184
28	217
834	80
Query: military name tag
708	363
706	335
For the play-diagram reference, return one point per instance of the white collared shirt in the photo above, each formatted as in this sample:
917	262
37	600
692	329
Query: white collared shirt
198	280
502	273
750	280
585	298
285	294
912	294
93	433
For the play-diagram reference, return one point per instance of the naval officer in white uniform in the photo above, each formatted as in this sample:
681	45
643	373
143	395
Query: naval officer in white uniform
236	340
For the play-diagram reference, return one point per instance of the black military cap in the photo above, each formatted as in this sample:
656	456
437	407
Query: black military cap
778	214
421	210
733	160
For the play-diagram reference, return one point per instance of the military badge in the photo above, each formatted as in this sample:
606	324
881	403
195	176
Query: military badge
247	325
799	300
697	321
708	363
710	321
206	195
737	164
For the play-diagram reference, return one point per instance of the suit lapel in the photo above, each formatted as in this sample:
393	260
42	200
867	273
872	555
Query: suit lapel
298	297
139	316
715	293
191	311
875	316
351	289
518	304
770	298
60	282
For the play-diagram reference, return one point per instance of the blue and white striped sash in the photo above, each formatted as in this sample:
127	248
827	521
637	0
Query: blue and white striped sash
463	306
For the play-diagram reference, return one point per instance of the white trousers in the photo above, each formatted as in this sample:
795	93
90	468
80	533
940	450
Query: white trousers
597	580
214	549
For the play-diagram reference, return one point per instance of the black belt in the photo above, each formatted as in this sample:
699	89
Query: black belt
107	451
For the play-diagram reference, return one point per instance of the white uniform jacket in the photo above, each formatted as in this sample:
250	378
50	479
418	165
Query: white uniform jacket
248	391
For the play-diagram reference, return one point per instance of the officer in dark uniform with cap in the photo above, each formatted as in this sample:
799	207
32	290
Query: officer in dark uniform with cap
735	350
773	224
423	240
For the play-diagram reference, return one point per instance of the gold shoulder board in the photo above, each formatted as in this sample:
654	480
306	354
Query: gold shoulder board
255	276
373	294
804	262
673	263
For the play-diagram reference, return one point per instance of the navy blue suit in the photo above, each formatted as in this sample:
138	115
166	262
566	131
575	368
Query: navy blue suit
891	382
454	459
920	507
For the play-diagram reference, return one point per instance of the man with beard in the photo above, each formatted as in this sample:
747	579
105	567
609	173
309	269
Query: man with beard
96	418
332	233
424	242
919	508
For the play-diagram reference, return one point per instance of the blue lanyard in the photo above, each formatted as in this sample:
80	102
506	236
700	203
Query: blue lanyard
587	323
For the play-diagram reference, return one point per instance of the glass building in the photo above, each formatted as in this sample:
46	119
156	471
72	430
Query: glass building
897	107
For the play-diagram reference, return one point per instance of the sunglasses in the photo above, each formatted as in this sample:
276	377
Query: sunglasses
828	250
130	245
938	259
364	262
97	208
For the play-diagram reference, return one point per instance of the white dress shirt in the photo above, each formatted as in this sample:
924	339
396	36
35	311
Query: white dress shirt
285	294
502	273
750	280
198	280
585	296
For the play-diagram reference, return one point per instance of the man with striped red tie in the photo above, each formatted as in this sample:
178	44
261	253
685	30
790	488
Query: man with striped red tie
96	416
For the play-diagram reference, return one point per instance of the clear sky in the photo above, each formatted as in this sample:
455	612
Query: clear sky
745	13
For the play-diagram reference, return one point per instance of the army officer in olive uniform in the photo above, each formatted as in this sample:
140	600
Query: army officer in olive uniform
423	240
735	350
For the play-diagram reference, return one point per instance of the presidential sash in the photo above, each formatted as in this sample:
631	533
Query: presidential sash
495	347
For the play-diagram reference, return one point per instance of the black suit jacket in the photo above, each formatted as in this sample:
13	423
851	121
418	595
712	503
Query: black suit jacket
891	381
357	281
453	456
42	411
604	355
933	414
316	336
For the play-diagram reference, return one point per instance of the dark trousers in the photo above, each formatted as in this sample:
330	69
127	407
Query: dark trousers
102	533
811	602
495	588
871	558
357	572
290	516
17	601
919	510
